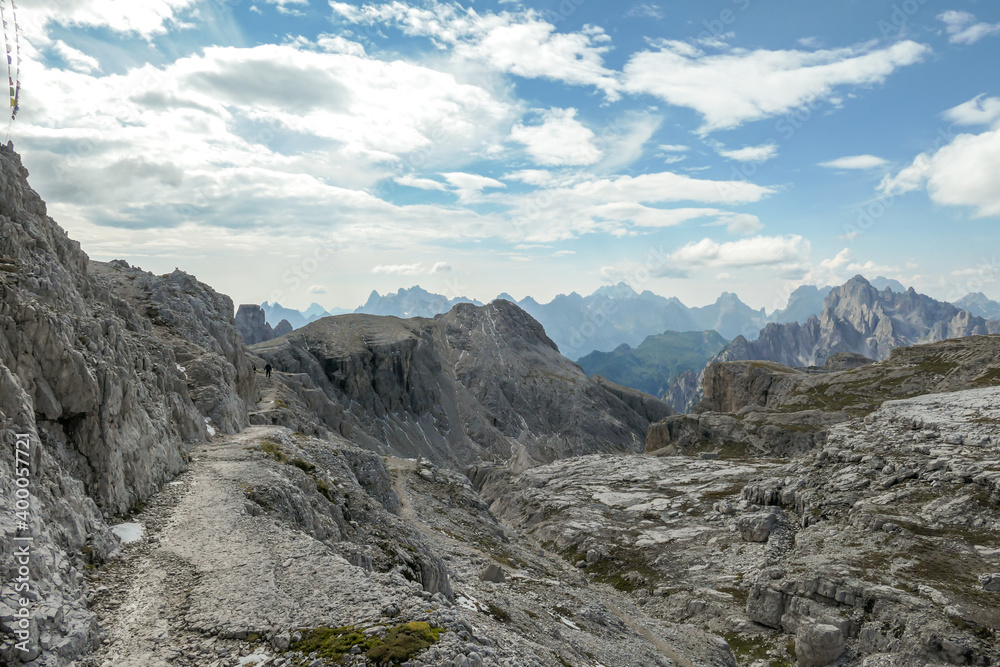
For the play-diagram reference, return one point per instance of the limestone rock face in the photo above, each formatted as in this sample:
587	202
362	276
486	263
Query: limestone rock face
252	324
860	319
480	382
817	645
857	322
757	527
764	408
196	322
100	397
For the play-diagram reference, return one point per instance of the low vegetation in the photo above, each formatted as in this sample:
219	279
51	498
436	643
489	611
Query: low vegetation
399	644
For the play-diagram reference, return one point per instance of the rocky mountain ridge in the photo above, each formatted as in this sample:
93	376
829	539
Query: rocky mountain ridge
477	383
91	372
857	319
654	364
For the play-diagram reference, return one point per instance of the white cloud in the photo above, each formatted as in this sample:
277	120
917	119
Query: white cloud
842	258
761	153
75	59
841	267
469	187
420	183
754	251
740	224
522	43
232	139
673	148
317	289
980	110
145	19
645	10
559	141
285	8
415	269
441	267
961	173
338	44
855	162
625	139
739	86
962	27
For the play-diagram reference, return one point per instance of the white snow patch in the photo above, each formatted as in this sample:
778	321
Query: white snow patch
467	602
619	498
128	532
180	368
653	537
568	623
654	505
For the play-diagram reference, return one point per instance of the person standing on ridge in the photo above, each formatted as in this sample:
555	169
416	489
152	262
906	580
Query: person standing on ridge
267	371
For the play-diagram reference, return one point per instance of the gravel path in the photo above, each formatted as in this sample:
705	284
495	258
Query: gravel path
208	574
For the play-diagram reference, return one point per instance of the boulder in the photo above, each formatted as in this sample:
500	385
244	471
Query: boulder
757	527
990	582
818	644
493	573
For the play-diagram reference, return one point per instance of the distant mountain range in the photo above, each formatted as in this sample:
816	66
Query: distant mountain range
616	314
658	360
413	302
275	313
859	318
856	318
977	304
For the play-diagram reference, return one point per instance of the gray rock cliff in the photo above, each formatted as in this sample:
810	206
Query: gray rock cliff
480	382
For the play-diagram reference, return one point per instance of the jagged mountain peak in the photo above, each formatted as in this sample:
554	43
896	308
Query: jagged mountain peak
619	290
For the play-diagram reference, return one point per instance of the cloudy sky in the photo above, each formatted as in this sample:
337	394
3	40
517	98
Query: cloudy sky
307	150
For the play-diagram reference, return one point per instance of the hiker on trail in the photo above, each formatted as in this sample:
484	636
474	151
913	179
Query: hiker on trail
267	371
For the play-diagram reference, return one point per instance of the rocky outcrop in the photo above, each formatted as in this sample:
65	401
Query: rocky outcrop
252	325
857	320
872	548
476	383
764	408
102	401
196	322
979	305
860	319
752	433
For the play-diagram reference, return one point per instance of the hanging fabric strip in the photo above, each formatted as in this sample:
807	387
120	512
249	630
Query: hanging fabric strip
10	68
17	53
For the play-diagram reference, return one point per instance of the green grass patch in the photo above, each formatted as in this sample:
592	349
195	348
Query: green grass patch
624	571
988	379
273	450
750	648
304	466
498	612
324	489
403	642
332	643
399	645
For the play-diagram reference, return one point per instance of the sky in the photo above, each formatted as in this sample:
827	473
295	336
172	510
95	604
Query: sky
311	151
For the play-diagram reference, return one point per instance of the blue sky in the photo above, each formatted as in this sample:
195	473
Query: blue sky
299	150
